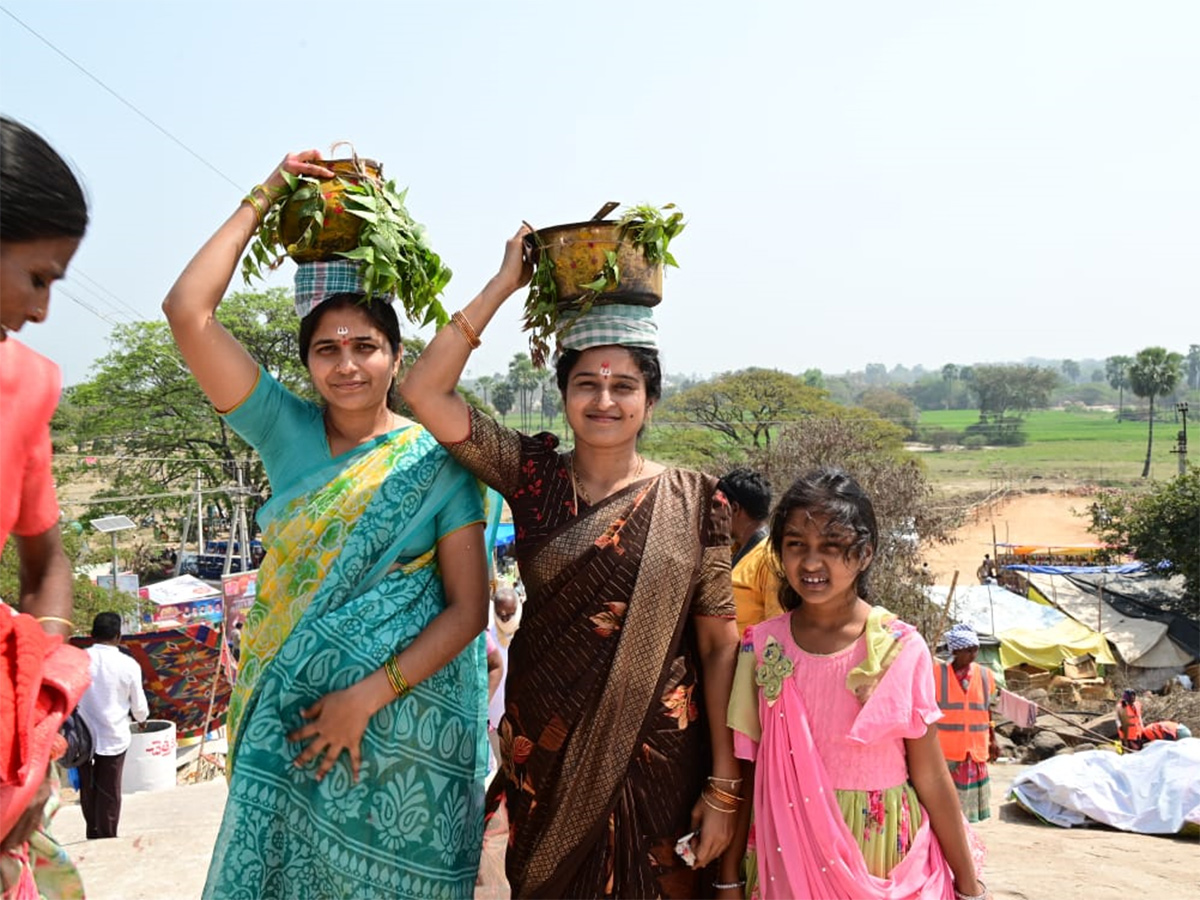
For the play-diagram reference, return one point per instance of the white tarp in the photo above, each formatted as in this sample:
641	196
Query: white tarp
1153	791
1141	642
991	609
177	591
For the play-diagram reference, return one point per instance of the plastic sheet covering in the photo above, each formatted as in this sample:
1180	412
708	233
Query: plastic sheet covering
1153	791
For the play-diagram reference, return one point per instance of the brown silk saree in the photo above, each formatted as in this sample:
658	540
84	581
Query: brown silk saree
604	745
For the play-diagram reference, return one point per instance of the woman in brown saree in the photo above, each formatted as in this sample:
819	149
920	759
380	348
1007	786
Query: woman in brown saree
613	742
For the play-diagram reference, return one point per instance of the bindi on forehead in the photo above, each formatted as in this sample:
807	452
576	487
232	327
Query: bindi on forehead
605	369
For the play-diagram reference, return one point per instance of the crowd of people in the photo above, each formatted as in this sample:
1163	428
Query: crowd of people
702	696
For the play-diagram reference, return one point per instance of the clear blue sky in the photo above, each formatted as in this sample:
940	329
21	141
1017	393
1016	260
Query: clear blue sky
916	182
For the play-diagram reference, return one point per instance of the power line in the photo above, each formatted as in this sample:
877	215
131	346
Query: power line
95	312
86	277
154	124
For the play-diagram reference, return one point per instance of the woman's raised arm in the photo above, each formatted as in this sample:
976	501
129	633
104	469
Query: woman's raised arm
429	386
221	366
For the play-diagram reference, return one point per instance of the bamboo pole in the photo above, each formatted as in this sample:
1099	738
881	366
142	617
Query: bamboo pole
946	609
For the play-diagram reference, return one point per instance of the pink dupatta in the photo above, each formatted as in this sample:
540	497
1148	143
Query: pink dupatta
805	850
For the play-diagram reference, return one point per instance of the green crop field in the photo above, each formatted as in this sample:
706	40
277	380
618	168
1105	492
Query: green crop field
1063	446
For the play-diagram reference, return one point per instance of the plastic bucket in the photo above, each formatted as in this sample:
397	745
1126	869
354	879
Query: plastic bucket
150	760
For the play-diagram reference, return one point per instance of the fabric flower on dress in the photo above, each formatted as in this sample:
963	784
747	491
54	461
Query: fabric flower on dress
774	669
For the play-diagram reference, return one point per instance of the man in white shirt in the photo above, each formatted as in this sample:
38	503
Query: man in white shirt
115	695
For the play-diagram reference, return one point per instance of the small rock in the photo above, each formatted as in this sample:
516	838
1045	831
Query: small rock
1044	745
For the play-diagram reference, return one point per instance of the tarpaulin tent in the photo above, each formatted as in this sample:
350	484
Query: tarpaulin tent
1028	632
1142	643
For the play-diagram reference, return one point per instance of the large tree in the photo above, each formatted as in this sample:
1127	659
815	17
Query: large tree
1116	370
747	406
1160	527
1006	394
1193	367
1154	373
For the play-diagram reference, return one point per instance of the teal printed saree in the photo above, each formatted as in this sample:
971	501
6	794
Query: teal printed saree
350	577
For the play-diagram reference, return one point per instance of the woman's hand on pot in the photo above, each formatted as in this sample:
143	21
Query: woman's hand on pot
516	269
336	722
303	163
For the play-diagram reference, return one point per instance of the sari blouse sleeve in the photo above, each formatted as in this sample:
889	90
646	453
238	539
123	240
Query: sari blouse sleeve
286	431
465	506
742	717
714	587
498	455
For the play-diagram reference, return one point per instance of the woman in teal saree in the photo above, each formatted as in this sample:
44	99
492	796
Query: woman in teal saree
357	728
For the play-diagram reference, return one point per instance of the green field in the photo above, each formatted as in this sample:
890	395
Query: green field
1072	446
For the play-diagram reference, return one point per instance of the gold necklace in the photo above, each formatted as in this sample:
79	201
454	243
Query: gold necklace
581	491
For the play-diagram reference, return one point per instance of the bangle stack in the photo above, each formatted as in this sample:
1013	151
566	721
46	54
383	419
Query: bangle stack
395	677
260	205
716	797
728	886
466	329
982	895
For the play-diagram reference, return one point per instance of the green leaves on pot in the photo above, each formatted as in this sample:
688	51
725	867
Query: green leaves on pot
393	249
649	228
653	231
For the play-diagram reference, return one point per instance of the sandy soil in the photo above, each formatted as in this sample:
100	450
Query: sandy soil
167	840
1044	519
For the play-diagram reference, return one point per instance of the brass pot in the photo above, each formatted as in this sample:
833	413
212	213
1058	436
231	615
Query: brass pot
578	253
341	229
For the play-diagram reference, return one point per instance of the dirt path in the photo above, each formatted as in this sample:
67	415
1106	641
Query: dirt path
1042	519
167	838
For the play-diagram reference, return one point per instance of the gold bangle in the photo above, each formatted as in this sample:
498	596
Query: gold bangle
719	809
66	622
470	335
395	677
256	204
269	195
724	796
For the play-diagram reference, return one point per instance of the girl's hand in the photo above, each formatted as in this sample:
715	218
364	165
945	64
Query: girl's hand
716	831
296	164
336	723
515	270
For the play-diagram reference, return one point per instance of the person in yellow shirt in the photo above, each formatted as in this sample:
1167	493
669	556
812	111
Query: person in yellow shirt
756	584
755	578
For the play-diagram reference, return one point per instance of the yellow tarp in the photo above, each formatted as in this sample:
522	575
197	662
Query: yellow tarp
1047	647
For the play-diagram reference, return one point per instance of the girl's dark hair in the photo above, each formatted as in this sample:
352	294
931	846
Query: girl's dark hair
646	359
40	197
831	492
381	314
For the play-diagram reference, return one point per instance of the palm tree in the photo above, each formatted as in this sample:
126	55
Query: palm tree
1154	373
949	374
1116	370
485	383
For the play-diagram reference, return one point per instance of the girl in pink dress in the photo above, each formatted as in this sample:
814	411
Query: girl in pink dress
831	709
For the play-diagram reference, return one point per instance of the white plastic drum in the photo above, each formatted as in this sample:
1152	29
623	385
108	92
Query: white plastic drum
150	760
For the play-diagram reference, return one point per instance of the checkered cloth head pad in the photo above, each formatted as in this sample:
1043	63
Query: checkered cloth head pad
961	637
316	282
616	323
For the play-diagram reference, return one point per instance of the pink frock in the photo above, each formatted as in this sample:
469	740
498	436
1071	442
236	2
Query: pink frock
835	816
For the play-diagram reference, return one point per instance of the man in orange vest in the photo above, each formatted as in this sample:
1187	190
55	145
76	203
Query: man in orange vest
965	691
1165	730
1129	721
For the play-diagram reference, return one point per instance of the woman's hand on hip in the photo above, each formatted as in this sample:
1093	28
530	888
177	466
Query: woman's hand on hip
336	722
715	832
